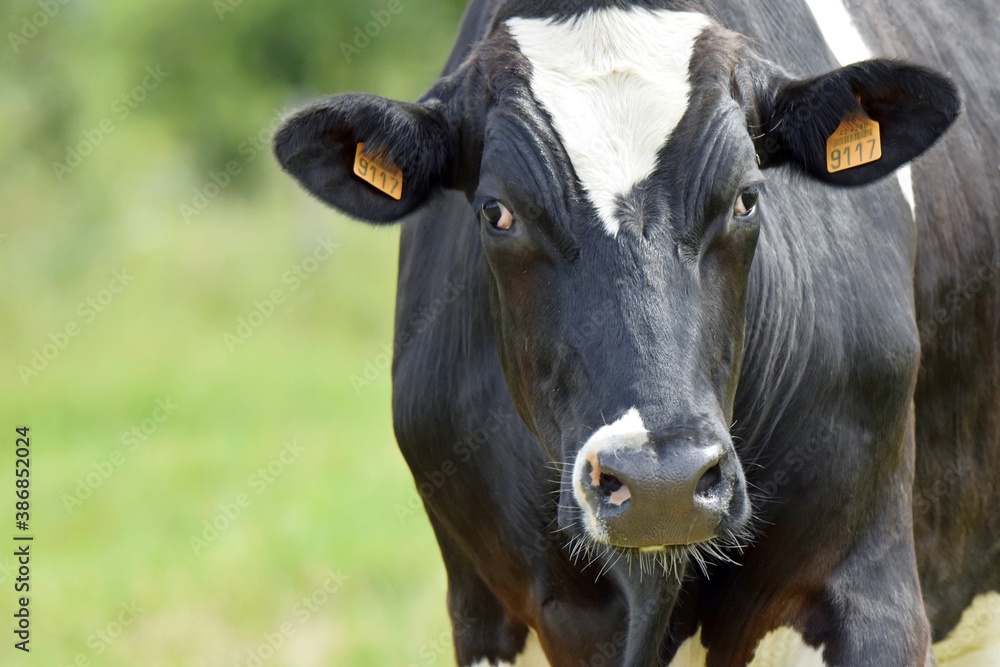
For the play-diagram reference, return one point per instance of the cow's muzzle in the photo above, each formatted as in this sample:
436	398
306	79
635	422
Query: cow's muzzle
642	489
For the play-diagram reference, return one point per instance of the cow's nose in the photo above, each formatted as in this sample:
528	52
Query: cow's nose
675	493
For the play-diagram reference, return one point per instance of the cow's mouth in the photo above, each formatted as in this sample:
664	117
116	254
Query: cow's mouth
615	518
673	561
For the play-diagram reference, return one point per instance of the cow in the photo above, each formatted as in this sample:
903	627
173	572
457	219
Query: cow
719	386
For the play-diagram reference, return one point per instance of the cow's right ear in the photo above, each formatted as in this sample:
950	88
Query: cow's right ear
319	147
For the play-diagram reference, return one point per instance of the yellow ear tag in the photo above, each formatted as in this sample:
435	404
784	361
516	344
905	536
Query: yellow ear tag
379	172
855	142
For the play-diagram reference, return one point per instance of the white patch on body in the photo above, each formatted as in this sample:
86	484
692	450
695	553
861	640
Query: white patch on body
905	176
785	647
692	653
782	647
615	83
847	45
531	656
975	641
627	431
839	31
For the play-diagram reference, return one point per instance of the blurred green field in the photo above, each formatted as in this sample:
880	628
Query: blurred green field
318	567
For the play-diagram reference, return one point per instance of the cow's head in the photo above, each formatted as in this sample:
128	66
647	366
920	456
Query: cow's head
615	162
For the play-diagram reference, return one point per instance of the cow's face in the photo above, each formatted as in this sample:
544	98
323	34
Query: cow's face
618	196
614	162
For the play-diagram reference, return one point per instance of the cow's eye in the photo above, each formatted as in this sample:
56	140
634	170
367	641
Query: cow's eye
746	203
497	214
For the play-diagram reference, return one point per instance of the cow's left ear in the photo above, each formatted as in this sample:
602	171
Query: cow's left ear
373	158
912	105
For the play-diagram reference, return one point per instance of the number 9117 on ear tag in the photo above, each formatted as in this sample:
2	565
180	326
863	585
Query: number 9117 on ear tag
379	172
855	142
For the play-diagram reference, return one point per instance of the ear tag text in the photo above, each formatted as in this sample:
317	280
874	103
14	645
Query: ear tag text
379	172
855	142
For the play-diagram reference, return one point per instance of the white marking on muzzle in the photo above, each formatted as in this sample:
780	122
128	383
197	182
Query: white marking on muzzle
844	39
628	431
615	83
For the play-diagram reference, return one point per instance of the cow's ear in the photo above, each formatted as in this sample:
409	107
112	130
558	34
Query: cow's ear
405	142
913	106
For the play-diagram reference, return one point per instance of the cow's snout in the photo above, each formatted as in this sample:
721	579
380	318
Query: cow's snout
642	489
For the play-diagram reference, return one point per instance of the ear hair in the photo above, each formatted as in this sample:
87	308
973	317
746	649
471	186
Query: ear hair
913	106
317	146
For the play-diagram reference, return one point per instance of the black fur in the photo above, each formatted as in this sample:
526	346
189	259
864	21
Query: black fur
913	106
317	146
795	330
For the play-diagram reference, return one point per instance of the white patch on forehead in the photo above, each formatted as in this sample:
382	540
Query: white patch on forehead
626	431
975	641
531	656
844	39
615	83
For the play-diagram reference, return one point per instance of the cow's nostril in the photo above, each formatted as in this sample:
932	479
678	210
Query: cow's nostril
609	483
708	485
615	492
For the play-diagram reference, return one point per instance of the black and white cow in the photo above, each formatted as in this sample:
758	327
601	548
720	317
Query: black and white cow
684	344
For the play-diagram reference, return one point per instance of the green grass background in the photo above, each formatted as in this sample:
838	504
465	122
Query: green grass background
336	507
